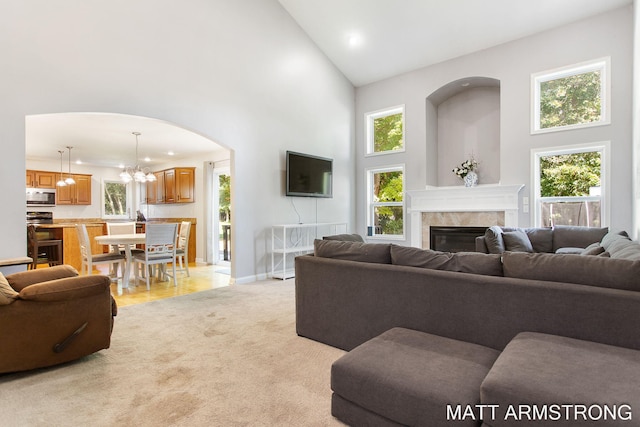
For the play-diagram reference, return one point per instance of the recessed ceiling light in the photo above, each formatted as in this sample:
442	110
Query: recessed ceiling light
465	84
170	153
147	159
354	40
78	162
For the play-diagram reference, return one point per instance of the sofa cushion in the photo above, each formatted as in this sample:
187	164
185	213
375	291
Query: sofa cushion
624	248
549	371
570	268
353	251
566	236
517	241
541	238
7	293
410	377
464	262
493	239
345	237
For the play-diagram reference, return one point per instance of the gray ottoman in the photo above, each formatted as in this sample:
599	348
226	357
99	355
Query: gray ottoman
406	377
547	380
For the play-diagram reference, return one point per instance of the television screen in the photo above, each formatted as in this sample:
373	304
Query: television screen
308	176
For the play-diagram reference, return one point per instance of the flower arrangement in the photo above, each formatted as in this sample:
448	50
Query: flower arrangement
465	167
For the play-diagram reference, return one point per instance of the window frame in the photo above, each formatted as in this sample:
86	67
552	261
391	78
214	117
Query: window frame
602	64
371	205
129	199
369	119
604	147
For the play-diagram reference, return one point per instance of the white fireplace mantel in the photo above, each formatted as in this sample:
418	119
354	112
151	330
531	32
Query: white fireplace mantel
482	198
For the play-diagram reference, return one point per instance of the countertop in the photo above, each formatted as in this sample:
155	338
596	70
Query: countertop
96	222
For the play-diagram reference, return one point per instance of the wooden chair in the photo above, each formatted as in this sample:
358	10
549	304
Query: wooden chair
160	249
122	228
42	251
89	259
182	251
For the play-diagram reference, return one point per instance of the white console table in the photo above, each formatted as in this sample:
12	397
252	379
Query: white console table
291	240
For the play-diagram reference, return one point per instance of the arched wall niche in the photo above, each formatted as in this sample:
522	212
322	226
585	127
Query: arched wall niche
463	120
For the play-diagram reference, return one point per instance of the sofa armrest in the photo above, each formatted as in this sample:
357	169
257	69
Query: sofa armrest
20	280
66	289
481	245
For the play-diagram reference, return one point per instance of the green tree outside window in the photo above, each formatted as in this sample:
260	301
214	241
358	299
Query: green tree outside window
570	100
388	133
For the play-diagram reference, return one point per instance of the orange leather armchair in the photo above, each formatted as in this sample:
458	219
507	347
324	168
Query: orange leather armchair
58	316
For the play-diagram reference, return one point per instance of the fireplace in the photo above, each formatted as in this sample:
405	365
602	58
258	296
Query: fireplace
487	204
454	239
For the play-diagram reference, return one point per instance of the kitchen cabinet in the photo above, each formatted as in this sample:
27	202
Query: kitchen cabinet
76	194
176	185
41	179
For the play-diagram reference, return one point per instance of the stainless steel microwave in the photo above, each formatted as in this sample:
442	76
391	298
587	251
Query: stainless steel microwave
41	197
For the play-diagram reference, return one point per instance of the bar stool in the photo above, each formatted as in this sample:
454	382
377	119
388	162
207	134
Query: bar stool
43	251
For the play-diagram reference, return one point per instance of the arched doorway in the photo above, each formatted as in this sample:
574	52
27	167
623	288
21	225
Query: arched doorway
104	145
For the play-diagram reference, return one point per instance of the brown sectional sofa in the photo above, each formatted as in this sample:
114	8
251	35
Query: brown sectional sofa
363	298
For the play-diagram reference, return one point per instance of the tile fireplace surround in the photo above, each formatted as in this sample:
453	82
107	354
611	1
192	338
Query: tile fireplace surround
484	205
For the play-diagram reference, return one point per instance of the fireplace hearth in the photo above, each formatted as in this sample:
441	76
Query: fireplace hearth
454	239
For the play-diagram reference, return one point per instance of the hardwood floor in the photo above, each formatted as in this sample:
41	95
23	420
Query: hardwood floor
203	277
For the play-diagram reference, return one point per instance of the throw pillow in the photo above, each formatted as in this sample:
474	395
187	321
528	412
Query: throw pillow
517	241
353	251
593	249
493	240
7	293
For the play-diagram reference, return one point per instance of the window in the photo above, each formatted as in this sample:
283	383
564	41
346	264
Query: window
385	131
386	202
571	97
115	200
570	185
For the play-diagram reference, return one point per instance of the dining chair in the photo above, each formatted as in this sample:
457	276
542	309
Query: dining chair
128	227
89	258
42	251
182	251
160	249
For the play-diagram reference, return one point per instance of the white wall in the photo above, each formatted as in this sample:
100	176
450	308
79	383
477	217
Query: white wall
240	73
512	64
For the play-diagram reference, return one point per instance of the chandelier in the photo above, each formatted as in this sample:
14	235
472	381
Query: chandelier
136	173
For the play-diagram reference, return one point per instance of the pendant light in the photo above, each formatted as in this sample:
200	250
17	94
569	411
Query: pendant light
61	182
136	173
69	179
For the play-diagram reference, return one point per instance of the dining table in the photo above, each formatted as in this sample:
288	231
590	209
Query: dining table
127	241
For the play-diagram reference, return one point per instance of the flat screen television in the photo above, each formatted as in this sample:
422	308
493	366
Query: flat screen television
309	176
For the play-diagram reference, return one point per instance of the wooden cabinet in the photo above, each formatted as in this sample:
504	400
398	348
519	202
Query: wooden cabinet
76	194
71	243
175	185
185	185
41	179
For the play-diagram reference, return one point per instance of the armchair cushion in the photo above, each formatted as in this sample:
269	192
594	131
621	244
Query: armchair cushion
66	289
7	293
29	277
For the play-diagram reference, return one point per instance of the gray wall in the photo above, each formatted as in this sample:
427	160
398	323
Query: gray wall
609	34
240	73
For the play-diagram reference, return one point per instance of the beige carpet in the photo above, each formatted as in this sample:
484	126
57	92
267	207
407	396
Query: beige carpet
225	357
